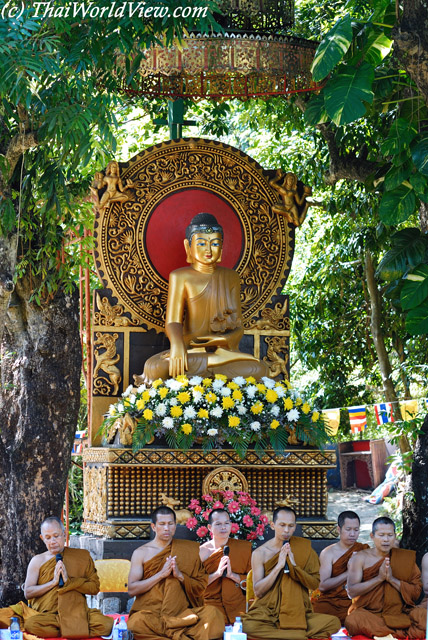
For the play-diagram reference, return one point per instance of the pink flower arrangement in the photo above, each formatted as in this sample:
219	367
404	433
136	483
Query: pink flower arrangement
245	515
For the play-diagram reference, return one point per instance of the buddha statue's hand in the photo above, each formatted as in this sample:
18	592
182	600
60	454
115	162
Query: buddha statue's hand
210	341
177	360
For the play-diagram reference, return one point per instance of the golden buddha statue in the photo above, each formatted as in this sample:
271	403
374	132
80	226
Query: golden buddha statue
203	317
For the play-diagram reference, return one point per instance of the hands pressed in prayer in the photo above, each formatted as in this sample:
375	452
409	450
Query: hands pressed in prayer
175	570
60	570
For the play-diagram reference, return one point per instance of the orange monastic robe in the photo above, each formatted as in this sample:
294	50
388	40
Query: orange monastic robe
172	609
336	601
383	610
285	611
63	611
224	593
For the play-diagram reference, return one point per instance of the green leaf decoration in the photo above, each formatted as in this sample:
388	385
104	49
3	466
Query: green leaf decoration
399	137
415	288
378	46
417	320
315	112
395	176
332	48
420	186
409	249
346	93
420	155
397	206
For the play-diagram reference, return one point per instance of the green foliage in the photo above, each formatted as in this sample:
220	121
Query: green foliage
75	495
332	48
346	94
420	155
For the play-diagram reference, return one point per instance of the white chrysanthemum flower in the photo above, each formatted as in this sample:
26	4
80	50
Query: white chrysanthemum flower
251	390
217	412
160	409
197	396
172	384
241	409
293	415
168	422
195	380
152	392
132	398
212	432
225	391
141	388
239	380
255	426
120	407
127	391
268	382
275	410
280	391
173	402
112	410
189	413
217	385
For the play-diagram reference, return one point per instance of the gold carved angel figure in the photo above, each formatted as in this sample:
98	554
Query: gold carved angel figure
116	191
293	206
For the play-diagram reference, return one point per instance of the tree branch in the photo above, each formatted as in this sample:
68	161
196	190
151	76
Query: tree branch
19	144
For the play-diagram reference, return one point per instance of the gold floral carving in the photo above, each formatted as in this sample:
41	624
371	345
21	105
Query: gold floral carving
106	361
95	493
224	479
181	515
327	530
275	318
125	427
111	315
277	345
122	260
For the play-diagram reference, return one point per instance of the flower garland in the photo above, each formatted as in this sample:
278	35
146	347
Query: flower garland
247	521
215	411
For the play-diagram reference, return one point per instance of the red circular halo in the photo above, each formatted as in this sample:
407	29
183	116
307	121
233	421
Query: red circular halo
167	224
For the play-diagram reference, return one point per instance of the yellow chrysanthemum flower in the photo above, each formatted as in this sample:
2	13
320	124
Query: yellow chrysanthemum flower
220	376
274	424
157	383
234	421
127	402
140	404
183	396
198	388
271	395
261	387
232	385
187	428
227	402
163	392
298	402
257	408
315	416
250	380
145	395
237	394
176	411
183	379
288	404
148	414
207	382
306	408
203	413
211	397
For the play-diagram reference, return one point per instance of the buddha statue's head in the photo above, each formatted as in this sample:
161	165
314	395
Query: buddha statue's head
204	240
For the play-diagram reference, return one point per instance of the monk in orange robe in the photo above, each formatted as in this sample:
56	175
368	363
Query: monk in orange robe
227	562
284	569
168	580
59	611
333	597
384	583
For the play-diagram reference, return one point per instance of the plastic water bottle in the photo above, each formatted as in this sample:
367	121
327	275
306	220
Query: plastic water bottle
122	629
227	632
237	626
15	629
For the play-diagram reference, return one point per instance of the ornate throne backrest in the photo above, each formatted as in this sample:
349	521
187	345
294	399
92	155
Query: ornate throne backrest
139	230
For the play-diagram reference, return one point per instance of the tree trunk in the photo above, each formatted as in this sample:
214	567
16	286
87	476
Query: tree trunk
415	513
411	43
379	342
40	374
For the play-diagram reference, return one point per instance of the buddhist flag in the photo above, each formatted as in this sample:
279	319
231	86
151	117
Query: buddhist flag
357	418
409	409
332	419
383	412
